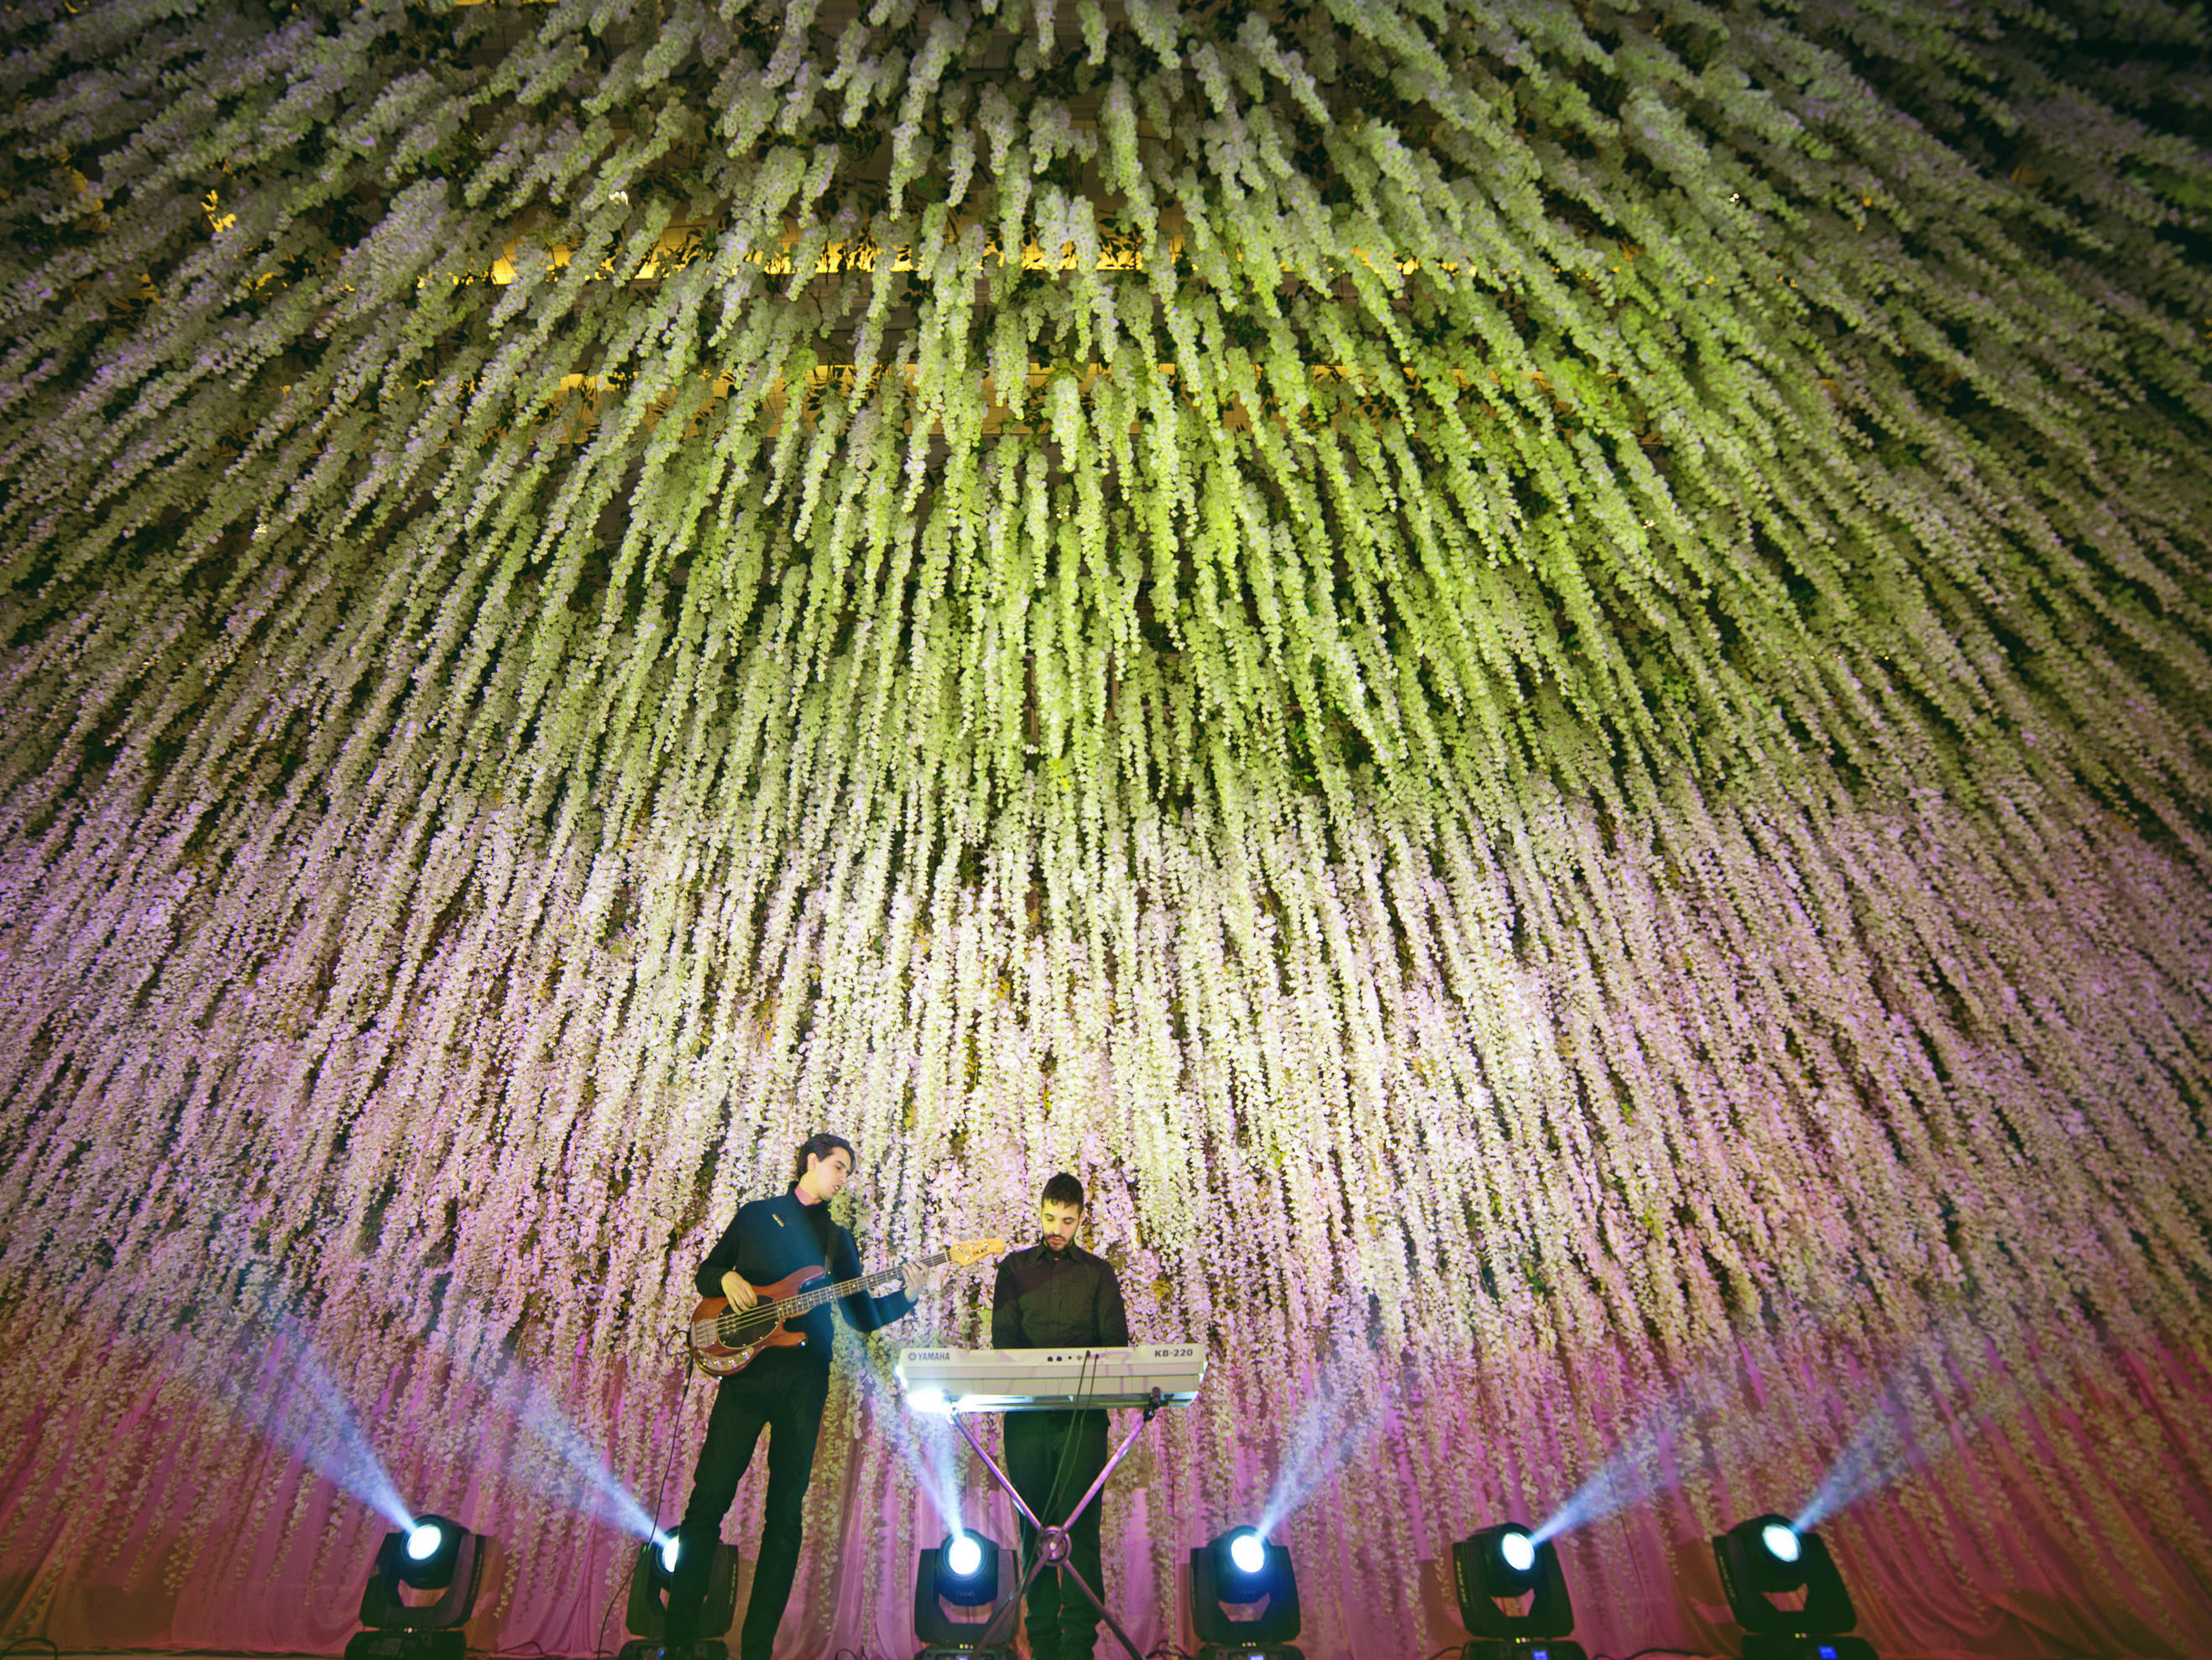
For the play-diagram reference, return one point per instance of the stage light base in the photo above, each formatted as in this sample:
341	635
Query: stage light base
1762	1646
1523	1648
1248	1651
649	1648
404	1643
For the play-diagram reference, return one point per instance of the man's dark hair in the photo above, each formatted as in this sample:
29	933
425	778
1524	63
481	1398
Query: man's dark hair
1063	1189
819	1147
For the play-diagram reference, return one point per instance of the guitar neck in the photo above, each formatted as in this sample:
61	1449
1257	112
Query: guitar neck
866	1283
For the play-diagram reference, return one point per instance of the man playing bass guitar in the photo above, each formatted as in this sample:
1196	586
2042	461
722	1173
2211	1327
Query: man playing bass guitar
782	1389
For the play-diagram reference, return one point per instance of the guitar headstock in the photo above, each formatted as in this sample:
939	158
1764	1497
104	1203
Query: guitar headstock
971	1251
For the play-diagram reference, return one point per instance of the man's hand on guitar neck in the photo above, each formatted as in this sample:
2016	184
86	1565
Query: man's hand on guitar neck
918	1279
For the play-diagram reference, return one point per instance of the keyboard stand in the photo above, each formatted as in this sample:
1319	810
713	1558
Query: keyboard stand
1052	1539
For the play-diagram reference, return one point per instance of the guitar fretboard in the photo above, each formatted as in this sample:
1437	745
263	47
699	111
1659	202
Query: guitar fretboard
732	1325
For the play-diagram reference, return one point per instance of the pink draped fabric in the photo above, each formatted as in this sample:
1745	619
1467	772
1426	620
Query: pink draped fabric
294	1551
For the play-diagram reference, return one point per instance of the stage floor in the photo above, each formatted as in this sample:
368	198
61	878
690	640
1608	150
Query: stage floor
36	1647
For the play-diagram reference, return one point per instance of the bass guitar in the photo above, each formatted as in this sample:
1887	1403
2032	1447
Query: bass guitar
724	1340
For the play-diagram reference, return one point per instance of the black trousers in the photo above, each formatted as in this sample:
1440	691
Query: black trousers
781	1391
1053	1457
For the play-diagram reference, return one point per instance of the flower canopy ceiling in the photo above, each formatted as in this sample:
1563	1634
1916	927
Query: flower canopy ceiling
1534	678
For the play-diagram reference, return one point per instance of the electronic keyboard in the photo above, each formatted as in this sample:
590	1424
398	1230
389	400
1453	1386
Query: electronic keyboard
1045	1379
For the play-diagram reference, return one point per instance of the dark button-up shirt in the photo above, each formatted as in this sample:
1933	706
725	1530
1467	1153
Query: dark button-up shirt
771	1238
1065	1298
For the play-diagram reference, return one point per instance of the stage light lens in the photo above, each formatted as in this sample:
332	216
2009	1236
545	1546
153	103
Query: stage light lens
927	1400
963	1556
669	1546
1249	1552
1781	1541
1518	1550
423	1540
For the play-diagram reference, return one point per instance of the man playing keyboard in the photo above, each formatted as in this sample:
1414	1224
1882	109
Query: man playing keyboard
1055	1294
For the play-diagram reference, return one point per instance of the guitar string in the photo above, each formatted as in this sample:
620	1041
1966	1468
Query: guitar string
768	1313
783	1308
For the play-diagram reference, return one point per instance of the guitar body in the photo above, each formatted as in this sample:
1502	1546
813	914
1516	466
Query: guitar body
721	1354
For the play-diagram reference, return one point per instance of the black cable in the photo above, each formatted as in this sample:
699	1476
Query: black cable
52	1648
1074	1420
690	1364
1051	1506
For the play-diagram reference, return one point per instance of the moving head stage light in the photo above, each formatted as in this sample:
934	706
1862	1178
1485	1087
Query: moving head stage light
958	1613
1767	1558
434	1555
646	1615
1505	1564
1240	1570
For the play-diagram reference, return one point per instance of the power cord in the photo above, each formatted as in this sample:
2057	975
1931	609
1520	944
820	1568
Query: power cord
52	1647
1075	1417
682	1347
1050	1510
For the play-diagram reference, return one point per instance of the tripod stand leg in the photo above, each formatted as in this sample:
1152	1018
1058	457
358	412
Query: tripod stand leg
1005	1483
1084	1503
999	1633
1000	1630
1092	1596
1121	1452
1011	1615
